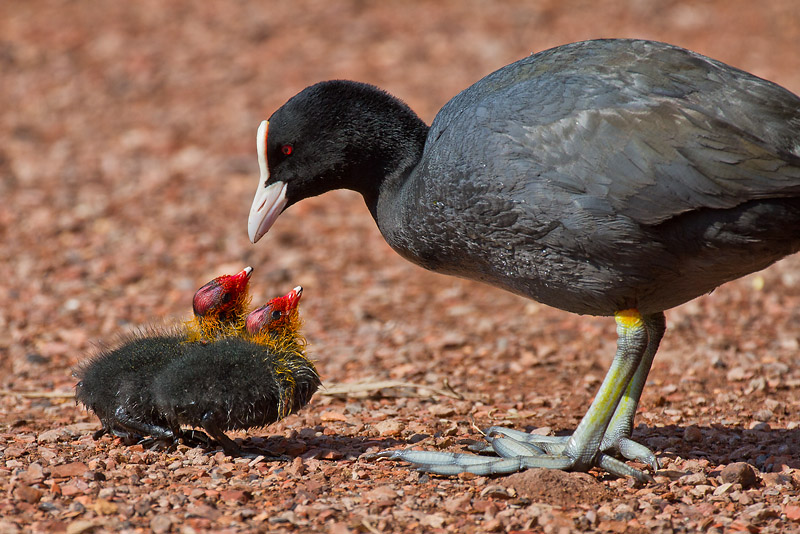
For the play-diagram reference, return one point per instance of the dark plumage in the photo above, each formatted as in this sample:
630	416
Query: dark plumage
609	177
115	384
154	385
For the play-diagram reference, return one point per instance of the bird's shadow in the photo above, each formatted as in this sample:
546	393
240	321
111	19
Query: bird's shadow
314	444
763	447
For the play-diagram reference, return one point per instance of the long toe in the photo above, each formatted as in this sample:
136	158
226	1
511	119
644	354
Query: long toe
627	448
517	451
512	443
548	451
450	464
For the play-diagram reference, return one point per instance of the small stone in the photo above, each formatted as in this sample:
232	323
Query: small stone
28	494
82	525
484	506
763	415
298	467
692	434
495	491
738	374
388	428
739	473
51	436
457	504
237	496
380	494
792	512
331	415
339	528
34	473
104	507
71	469
722	489
161	523
776	479
432	520
701	490
442	410
693	479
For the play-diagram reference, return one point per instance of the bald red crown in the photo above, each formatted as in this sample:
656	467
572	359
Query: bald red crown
270	315
221	294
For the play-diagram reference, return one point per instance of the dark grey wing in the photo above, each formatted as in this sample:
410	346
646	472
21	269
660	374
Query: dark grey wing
639	129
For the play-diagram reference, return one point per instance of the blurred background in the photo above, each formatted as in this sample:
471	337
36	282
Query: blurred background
128	165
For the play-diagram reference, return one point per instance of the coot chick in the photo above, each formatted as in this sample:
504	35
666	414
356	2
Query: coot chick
115	384
240	382
220	307
607	177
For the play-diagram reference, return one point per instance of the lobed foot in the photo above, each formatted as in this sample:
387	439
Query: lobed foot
516	451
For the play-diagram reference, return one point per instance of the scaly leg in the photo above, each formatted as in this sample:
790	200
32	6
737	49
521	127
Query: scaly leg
616	440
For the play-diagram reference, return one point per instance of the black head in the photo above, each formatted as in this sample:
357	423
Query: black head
332	135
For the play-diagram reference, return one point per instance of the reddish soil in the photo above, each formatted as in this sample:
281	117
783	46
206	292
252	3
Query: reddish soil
127	168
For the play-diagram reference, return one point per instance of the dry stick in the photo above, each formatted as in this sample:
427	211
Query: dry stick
38	394
367	386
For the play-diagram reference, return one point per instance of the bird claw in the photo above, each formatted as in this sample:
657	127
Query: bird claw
631	450
516	451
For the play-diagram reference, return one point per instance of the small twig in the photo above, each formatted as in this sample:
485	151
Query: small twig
369	527
368	386
447	386
38	394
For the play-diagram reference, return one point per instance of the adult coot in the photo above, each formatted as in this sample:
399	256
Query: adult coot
607	177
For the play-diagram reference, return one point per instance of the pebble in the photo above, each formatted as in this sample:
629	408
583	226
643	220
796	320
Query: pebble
792	512
722	489
776	479
442	410
28	494
693	479
161	523
388	428
52	436
692	434
82	525
331	415
380	494
763	415
457	504
495	491
71	469
739	473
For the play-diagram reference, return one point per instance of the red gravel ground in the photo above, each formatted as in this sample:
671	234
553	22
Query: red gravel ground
127	168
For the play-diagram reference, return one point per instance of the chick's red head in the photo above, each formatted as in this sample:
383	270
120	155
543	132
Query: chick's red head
221	303
278	313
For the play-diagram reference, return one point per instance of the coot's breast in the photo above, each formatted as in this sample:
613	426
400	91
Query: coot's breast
606	175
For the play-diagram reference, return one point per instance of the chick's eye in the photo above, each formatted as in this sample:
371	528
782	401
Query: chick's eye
287	150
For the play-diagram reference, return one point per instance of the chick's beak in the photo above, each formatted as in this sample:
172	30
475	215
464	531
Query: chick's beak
270	199
293	297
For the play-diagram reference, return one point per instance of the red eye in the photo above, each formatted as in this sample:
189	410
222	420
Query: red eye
286	149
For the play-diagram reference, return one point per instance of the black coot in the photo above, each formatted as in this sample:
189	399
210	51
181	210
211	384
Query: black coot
608	177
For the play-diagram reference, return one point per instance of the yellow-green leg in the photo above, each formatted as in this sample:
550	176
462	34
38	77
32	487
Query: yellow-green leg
616	440
632	341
